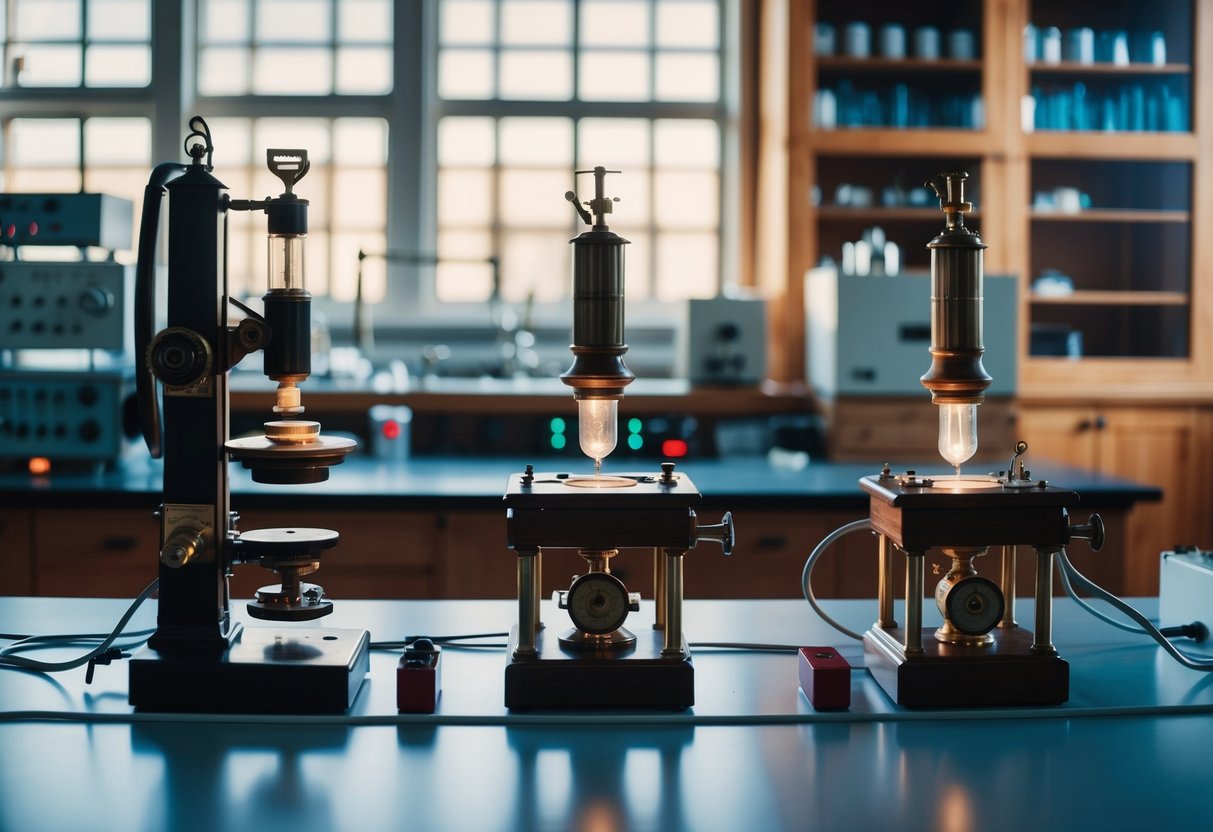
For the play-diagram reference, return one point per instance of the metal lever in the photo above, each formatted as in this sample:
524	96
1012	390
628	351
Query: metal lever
1091	531
721	532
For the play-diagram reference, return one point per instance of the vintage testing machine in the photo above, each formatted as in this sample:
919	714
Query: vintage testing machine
599	663
199	658
980	656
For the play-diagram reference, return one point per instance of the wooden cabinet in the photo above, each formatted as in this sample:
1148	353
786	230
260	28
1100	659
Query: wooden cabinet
1168	447
104	553
16	553
905	430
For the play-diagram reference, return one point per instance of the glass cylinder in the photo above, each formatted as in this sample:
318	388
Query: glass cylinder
598	427
957	432
286	267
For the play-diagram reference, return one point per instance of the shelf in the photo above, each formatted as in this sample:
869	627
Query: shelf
891	141
844	63
1107	145
1106	69
839	213
1114	298
1111	215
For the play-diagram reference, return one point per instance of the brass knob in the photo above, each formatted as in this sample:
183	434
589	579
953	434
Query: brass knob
182	546
721	532
1092	531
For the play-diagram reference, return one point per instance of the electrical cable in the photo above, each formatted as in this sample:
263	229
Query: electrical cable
9	658
1091	588
806	575
443	640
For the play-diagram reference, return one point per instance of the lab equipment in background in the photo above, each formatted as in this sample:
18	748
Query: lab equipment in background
980	656
390	430
599	663
199	658
66	344
725	340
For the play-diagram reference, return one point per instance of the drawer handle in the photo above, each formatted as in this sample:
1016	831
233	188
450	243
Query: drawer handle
116	543
772	541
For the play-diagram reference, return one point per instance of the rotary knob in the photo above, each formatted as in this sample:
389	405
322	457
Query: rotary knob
179	357
95	300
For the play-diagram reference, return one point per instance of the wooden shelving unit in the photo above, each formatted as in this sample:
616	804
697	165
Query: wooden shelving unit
1140	262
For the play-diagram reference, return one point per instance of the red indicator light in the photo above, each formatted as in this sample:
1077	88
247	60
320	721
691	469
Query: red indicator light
33	229
391	429
673	448
39	465
10	231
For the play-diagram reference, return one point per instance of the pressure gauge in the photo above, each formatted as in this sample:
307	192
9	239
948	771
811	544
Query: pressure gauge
974	605
598	603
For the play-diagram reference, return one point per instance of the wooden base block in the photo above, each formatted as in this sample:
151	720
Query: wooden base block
633	677
1003	674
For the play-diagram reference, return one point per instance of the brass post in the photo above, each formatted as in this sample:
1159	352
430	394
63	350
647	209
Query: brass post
1042	638
915	562
659	589
1008	587
673	603
885	588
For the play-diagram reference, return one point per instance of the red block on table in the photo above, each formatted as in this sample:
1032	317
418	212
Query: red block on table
825	677
419	680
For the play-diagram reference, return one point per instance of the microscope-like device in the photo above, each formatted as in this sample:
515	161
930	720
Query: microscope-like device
980	656
598	662
199	658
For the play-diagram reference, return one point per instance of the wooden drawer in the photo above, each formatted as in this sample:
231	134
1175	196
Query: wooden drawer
88	552
16	553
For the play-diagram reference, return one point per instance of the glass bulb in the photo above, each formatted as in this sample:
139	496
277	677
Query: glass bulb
957	432
597	427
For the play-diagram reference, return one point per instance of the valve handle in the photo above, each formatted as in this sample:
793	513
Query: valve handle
1092	531
722	532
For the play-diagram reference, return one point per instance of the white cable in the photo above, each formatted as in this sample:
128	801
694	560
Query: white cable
1082	602
9	658
1091	588
806	575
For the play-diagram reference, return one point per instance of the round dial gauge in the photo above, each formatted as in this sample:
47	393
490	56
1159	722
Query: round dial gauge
974	605
598	603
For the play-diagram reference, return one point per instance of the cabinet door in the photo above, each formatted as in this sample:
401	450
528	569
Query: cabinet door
1062	434
16	553
110	553
1163	447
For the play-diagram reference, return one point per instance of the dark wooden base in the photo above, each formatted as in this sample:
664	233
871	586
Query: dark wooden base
268	670
632	677
1003	674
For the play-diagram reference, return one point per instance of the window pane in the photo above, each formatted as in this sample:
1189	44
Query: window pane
118	66
693	77
613	142
234	140
292	71
632	188
465	73
687	265
614	23
225	21
223	72
686	143
636	263
466	141
535	263
343	284
536	22
467	22
536	75
48	66
694	197
293	21
364	70
47	20
534	198
360	141
117	141
119	20
464	197
687	23
45	142
364	21
614	76
359	198
536	141
458	275
309	133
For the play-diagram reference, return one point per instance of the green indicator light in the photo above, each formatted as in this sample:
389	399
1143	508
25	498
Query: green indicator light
635	441
635	426
558	425
558	441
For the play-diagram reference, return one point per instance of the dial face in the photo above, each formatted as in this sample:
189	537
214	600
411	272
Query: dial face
974	605
598	603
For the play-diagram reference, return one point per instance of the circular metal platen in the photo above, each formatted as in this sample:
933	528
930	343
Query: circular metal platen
598	603
600	482
292	431
289	544
288	464
974	605
275	604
